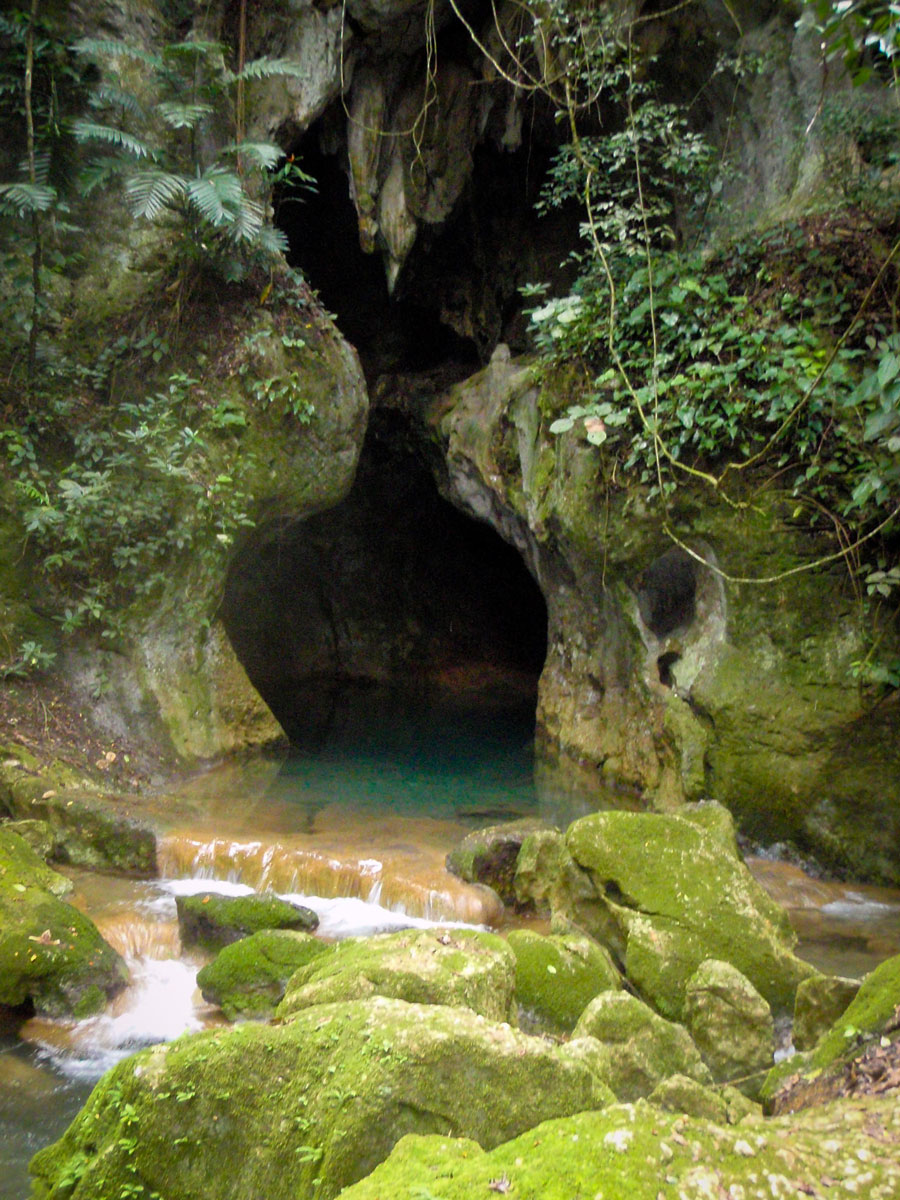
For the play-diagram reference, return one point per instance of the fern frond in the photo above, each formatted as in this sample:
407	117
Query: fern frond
247	222
183	116
24	198
216	196
266	68
273	240
263	154
149	192
87	131
110	95
100	172
197	49
112	48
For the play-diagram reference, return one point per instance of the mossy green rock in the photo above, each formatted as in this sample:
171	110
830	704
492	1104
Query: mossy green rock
639	1047
300	1110
488	856
50	953
730	1022
725	1106
550	881
20	863
820	1002
678	896
39	836
558	976
248	977
456	967
638	1152
212	921
874	1005
88	829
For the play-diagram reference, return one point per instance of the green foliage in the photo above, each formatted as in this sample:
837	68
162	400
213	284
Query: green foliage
139	487
167	152
865	34
30	657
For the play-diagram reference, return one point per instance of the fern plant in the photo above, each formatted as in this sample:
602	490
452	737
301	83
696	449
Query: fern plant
170	156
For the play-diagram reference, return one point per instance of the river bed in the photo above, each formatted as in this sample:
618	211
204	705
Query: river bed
359	836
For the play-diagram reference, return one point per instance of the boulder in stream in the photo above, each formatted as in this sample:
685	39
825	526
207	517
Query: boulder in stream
672	893
635	1047
558	976
301	1110
488	856
640	1152
247	978
458	967
211	920
51	955
820	1002
729	1020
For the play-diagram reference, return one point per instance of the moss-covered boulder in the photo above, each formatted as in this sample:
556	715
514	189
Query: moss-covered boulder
51	955
247	978
489	856
457	967
730	1022
38	835
298	1111
859	1053
558	976
211	920
677	896
724	1105
549	881
638	1048
820	1002
88	829
638	1152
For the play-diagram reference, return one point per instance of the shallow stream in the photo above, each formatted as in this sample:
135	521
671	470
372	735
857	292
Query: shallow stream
357	827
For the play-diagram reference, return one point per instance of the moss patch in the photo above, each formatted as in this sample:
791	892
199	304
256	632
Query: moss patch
248	977
212	921
558	976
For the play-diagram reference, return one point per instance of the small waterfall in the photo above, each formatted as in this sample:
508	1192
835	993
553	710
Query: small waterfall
402	879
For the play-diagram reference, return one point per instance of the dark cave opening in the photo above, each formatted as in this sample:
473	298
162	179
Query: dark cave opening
321	228
393	600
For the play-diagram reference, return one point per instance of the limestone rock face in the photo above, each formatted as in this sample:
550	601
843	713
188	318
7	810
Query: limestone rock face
489	856
730	1022
636	1048
629	1149
50	953
677	897
558	976
300	1110
455	967
247	978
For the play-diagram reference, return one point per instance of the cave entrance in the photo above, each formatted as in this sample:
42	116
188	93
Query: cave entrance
387	609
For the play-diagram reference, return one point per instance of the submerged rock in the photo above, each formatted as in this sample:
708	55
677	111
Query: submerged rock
299	1111
50	953
247	978
558	976
640	1152
456	967
676	895
637	1048
211	920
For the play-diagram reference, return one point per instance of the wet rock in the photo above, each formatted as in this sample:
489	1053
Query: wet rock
306	1108
38	834
730	1022
820	1002
558	976
637	1048
639	1151
213	921
677	897
247	978
456	967
51	955
489	856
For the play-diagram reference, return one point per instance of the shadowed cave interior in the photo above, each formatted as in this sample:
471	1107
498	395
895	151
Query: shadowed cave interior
389	607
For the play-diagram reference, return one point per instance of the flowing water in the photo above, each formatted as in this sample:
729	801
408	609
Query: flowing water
356	827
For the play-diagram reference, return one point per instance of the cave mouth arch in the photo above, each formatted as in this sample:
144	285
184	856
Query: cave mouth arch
392	603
